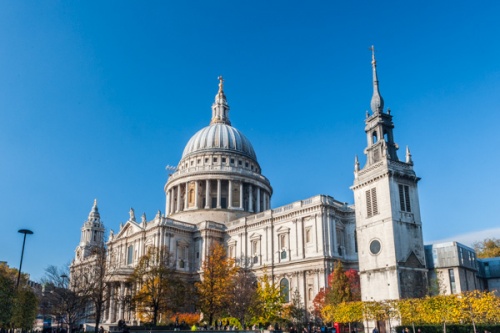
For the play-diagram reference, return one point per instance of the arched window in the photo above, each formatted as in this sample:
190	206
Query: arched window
285	290
386	136
374	137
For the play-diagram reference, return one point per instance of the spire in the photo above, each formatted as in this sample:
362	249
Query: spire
220	108
408	156
377	103
94	212
356	164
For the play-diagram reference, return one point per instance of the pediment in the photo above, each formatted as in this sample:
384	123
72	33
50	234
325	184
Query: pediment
282	230
128	229
255	236
182	242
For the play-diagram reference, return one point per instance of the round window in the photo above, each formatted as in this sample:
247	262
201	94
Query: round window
375	247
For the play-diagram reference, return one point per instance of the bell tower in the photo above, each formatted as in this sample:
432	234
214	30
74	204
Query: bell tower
388	222
92	234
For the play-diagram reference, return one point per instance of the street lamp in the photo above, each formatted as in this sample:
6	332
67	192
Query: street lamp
25	232
63	277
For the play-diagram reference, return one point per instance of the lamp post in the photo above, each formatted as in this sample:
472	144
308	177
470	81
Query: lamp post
25	232
64	277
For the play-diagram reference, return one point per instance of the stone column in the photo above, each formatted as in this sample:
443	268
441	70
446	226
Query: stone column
218	194
302	237
263	195
207	194
120	304
111	316
196	189
186	195
178	198
230	194
257	204
250	198
334	234
241	195
172	200
167	203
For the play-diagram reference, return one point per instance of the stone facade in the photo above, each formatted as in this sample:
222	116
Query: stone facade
218	194
389	228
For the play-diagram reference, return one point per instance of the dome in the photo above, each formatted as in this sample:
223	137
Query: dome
219	136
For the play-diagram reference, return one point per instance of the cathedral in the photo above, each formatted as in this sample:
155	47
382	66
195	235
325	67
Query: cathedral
217	193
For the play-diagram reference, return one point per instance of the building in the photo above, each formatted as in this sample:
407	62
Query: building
454	268
218	193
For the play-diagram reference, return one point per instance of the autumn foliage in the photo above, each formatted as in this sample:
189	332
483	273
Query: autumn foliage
470	308
217	281
188	318
343	286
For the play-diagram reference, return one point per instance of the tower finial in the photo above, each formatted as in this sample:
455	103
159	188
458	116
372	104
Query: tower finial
220	108
221	84
408	156
377	103
94	212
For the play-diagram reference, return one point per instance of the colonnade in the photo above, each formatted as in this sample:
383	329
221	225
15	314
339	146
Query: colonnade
217	194
117	303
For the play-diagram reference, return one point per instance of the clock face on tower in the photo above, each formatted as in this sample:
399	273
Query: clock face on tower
375	247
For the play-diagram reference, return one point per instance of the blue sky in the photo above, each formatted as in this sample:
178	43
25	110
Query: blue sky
97	97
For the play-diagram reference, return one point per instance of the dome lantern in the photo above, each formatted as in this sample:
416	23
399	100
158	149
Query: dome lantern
220	108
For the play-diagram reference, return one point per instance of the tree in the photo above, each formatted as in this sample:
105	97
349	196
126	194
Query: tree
90	281
410	311
24	308
347	312
217	279
319	304
437	285
355	284
375	311
7	294
269	300
479	307
340	288
343	286
159	286
441	309
18	305
488	248
295	311
243	295
58	299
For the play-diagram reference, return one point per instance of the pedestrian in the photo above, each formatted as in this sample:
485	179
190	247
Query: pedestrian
101	329
375	330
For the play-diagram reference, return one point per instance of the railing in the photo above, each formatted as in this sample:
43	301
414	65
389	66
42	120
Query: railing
211	168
